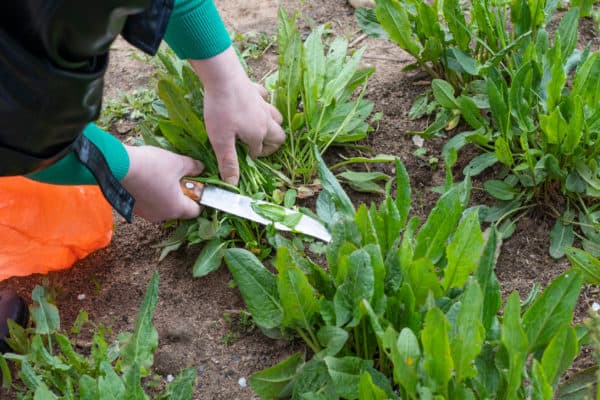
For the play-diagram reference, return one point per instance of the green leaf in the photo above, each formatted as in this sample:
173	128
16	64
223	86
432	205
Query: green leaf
567	30
367	390
275	382
503	153
333	339
469	65
368	23
405	355
438	361
580	385
335	87
133	384
419	107
393	17
44	314
423	279
5	372
463	252
297	297
39	354
468	333
345	374
180	110
43	393
333	187
110	386
210	258
431	239
575	130
470	111
492	299
586	83
480	163
541	389
554	126
552	309
314	64
455	18
562	235
258	287
514	339
403	191
498	106
358	284
182	388
560	353
589	265
289	76
500	189
141	345
444	94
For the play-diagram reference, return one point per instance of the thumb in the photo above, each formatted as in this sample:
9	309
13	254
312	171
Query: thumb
189	208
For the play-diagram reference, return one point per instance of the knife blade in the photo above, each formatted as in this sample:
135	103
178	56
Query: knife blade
242	206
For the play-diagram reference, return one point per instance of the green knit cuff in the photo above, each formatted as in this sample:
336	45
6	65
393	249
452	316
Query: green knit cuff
196	30
70	171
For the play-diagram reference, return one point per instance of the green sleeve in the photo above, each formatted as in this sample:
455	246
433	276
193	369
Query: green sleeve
196	30
69	171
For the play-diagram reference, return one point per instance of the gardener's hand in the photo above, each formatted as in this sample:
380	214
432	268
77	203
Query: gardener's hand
235	107
153	181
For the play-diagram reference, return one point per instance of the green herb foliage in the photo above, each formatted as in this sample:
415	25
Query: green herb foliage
52	369
405	310
530	99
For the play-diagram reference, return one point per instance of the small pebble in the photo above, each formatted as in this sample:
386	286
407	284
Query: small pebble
418	141
170	378
242	382
595	306
81	297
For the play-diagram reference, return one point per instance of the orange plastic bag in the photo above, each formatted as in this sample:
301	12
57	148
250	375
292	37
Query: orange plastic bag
48	227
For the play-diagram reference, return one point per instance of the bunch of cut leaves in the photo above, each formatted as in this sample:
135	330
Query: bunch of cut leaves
405	310
313	88
51	368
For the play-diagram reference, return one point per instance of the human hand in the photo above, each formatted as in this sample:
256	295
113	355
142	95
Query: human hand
236	108
153	181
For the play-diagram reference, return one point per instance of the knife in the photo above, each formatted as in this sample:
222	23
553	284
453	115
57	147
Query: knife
242	206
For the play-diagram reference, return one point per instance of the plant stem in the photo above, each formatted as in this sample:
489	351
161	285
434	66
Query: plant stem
308	341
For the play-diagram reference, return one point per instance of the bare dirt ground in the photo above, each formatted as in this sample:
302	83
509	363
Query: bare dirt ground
196	318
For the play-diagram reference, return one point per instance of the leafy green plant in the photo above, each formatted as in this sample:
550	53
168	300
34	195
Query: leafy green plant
404	310
51	368
532	104
313	90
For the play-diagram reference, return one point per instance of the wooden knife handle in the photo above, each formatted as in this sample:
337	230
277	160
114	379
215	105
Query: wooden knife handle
192	189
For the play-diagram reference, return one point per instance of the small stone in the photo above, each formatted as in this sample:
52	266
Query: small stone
242	382
81	297
418	141
235	357
595	306
170	378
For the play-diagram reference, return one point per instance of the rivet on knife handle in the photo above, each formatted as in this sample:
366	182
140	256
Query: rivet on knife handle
192	189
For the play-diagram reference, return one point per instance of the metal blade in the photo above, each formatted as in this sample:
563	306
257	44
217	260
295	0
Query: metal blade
241	206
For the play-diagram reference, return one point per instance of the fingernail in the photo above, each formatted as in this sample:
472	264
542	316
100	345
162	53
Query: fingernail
232	180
